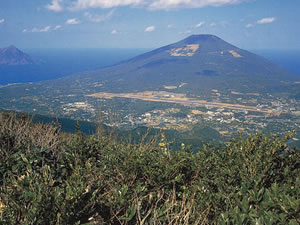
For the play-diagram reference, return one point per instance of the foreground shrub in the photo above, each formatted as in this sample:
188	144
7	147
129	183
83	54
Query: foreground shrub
47	177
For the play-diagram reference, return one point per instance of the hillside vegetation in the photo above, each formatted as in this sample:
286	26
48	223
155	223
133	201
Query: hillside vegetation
51	177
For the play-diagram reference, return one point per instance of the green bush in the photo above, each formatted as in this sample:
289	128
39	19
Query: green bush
49	177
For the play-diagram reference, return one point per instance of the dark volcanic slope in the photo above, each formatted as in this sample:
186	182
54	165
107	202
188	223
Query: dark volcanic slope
201	61
14	56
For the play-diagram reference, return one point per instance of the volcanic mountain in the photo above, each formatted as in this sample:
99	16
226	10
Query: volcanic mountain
13	56
201	62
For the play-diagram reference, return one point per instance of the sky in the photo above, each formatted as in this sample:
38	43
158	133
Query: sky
248	24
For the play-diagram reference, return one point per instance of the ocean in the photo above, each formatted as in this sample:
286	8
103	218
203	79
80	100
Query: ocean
58	63
288	59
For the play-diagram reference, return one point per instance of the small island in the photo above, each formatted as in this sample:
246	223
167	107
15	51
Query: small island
14	56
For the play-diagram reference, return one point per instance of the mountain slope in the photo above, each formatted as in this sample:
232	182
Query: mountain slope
13	56
202	61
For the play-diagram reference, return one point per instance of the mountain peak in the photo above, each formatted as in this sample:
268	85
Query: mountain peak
11	50
11	47
207	40
194	45
14	56
195	38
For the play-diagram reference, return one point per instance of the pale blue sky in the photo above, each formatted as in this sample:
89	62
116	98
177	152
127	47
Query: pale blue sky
249	24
